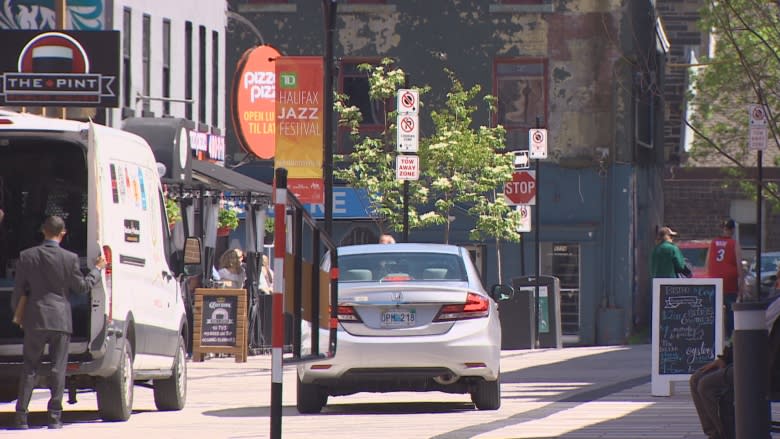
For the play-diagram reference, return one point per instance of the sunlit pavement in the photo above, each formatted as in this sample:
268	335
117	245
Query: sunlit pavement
589	392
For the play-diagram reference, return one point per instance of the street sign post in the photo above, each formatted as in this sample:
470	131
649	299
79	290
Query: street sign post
521	160
407	132
407	167
522	188
408	101
407	128
758	132
525	218
537	143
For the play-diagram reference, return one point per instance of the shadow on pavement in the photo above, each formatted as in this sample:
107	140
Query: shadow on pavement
604	373
373	408
37	419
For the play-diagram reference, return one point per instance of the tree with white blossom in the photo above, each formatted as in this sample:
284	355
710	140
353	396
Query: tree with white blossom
461	167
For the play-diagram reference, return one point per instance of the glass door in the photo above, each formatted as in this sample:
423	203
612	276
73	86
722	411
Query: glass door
562	260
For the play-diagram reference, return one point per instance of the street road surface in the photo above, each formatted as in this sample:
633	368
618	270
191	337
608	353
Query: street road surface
584	392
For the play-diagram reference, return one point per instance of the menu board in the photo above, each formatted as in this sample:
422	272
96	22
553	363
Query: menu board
687	326
218	327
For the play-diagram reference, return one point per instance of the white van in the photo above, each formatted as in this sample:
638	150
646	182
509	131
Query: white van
104	183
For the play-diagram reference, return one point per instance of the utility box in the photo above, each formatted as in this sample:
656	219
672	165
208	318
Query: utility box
517	321
549	307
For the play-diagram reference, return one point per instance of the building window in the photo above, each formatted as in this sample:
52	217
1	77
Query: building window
188	70
521	89
146	59
354	83
166	65
127	33
214	78
202	74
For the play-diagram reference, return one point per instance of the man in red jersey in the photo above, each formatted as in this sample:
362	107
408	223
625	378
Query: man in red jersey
724	261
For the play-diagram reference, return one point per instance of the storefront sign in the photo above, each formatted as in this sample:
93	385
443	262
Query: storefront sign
68	68
207	146
253	101
299	125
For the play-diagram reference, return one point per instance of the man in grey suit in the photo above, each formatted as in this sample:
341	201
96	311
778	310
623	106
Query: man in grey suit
46	274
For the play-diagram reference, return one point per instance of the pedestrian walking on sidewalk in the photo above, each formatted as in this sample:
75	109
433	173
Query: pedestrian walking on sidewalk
45	276
724	261
667	260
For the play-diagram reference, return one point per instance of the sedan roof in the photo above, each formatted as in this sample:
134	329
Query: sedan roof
399	248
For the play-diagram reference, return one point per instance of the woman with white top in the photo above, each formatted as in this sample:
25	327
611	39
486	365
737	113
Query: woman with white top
232	272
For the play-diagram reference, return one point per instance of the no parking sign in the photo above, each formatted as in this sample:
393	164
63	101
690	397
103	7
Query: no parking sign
537	143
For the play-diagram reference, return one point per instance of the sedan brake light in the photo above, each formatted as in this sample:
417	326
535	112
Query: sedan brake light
476	306
348	314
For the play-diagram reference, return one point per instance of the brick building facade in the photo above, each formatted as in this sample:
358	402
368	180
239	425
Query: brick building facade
590	70
698	193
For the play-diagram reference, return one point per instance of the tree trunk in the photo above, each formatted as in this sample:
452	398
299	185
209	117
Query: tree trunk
498	260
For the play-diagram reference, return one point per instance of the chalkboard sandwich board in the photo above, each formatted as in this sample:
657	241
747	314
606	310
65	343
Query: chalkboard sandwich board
687	329
220	323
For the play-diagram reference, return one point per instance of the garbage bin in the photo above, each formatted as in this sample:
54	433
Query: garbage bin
549	305
517	321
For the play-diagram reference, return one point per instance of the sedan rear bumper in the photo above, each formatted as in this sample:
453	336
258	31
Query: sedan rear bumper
472	348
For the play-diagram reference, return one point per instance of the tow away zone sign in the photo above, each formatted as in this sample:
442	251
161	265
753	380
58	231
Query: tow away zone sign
407	167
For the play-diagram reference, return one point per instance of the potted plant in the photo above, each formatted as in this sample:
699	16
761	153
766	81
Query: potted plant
172	211
227	220
269	230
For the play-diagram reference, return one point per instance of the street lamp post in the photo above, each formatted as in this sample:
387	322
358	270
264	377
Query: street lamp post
329	13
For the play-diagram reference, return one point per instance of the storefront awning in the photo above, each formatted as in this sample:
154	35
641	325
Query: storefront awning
218	177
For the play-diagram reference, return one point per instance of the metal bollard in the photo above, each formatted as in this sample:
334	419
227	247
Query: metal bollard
751	343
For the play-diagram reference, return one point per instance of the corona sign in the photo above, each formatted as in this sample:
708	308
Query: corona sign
253	106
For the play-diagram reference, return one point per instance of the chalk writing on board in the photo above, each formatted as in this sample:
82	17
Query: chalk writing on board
686	328
218	327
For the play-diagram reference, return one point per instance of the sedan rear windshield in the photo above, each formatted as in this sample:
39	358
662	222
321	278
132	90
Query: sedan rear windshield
401	267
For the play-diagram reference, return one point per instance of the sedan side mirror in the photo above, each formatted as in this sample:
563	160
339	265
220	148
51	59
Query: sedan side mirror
501	292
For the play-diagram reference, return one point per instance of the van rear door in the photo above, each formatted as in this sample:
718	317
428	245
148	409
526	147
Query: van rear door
98	189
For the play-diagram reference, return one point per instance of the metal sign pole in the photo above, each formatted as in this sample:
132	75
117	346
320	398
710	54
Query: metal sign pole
406	211
538	256
277	304
760	199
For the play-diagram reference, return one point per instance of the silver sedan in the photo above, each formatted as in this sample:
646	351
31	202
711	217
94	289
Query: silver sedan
412	317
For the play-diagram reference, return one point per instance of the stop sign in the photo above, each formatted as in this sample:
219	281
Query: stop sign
522	188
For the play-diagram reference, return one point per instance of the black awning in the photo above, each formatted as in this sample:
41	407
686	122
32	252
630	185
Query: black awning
219	177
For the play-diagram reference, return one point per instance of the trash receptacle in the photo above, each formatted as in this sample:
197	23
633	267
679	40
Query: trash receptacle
549	306
517	321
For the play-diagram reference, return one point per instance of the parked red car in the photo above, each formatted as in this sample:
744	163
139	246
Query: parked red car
695	253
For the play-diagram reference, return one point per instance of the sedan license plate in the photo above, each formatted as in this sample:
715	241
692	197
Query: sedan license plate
398	318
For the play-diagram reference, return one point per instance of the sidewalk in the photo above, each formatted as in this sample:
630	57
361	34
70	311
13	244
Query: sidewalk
582	392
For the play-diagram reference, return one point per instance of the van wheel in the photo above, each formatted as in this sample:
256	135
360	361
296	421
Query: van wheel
115	393
171	393
487	395
311	398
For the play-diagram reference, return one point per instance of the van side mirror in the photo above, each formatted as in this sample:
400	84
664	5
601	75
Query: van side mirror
192	252
501	292
193	265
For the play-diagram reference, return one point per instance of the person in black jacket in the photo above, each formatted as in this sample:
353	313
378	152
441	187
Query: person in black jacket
712	385
45	275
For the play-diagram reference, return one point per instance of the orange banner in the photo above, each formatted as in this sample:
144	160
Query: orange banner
299	124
